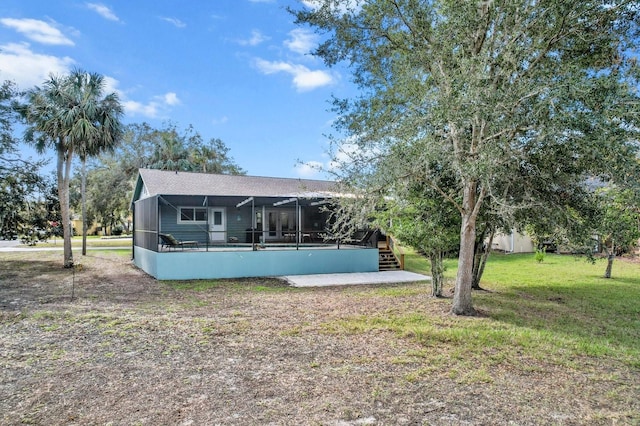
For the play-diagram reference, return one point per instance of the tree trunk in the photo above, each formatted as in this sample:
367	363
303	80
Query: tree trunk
83	190
611	255
462	304
481	256
63	171
437	269
607	272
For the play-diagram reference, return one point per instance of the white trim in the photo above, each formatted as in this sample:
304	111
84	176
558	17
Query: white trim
217	232
191	222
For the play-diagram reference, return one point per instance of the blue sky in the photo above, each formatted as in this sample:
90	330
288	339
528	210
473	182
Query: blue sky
238	70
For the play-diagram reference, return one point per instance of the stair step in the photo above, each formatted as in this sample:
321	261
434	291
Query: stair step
387	261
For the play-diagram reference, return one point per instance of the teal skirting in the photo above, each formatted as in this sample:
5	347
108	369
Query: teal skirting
186	265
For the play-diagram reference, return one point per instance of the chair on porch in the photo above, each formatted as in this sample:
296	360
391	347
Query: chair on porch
169	241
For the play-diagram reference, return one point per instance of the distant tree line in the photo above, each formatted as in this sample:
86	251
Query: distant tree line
110	176
71	115
23	209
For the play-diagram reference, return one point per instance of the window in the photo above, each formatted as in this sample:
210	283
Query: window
217	218
192	215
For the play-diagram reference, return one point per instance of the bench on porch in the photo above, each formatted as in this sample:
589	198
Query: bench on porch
169	241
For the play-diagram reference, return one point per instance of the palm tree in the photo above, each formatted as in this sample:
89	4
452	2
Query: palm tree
90	87
70	115
170	153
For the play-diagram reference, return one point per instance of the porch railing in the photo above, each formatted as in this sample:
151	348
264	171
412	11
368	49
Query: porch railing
397	251
206	240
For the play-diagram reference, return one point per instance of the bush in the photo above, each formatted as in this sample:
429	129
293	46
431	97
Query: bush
539	256
31	235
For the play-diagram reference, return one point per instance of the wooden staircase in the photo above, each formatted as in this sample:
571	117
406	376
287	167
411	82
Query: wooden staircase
387	261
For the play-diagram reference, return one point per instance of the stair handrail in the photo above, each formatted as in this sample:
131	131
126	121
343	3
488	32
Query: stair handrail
393	246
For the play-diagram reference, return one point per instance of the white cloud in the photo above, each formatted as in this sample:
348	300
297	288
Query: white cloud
111	85
309	169
149	110
26	68
39	31
312	4
158	106
103	11
171	99
174	21
304	79
256	38
341	156
301	41
346	153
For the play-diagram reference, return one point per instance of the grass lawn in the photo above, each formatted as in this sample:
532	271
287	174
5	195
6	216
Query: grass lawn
554	344
92	241
556	311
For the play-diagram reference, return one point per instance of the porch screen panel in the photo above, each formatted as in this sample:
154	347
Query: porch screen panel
146	220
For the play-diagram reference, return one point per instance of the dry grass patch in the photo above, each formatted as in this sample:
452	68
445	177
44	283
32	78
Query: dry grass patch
132	350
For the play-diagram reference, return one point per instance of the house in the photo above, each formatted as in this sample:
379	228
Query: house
238	226
513	242
76	224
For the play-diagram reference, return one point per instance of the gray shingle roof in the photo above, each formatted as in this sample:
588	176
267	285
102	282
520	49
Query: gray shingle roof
162	182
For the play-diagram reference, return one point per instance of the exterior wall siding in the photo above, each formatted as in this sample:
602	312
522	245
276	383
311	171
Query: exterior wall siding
513	243
238	220
169	225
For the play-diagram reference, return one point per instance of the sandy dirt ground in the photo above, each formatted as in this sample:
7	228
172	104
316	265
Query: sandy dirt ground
129	350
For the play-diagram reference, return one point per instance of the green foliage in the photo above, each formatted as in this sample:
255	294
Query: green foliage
108	193
618	222
539	256
71	114
619	219
169	148
40	218
518	102
420	221
20	182
7	118
18	207
111	176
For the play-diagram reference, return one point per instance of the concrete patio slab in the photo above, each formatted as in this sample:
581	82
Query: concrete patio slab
359	278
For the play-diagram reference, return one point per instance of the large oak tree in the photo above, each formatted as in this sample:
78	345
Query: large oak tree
520	100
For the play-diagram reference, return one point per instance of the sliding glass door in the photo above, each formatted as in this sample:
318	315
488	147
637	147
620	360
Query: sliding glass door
281	225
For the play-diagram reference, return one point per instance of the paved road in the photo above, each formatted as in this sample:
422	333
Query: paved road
9	243
16	245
